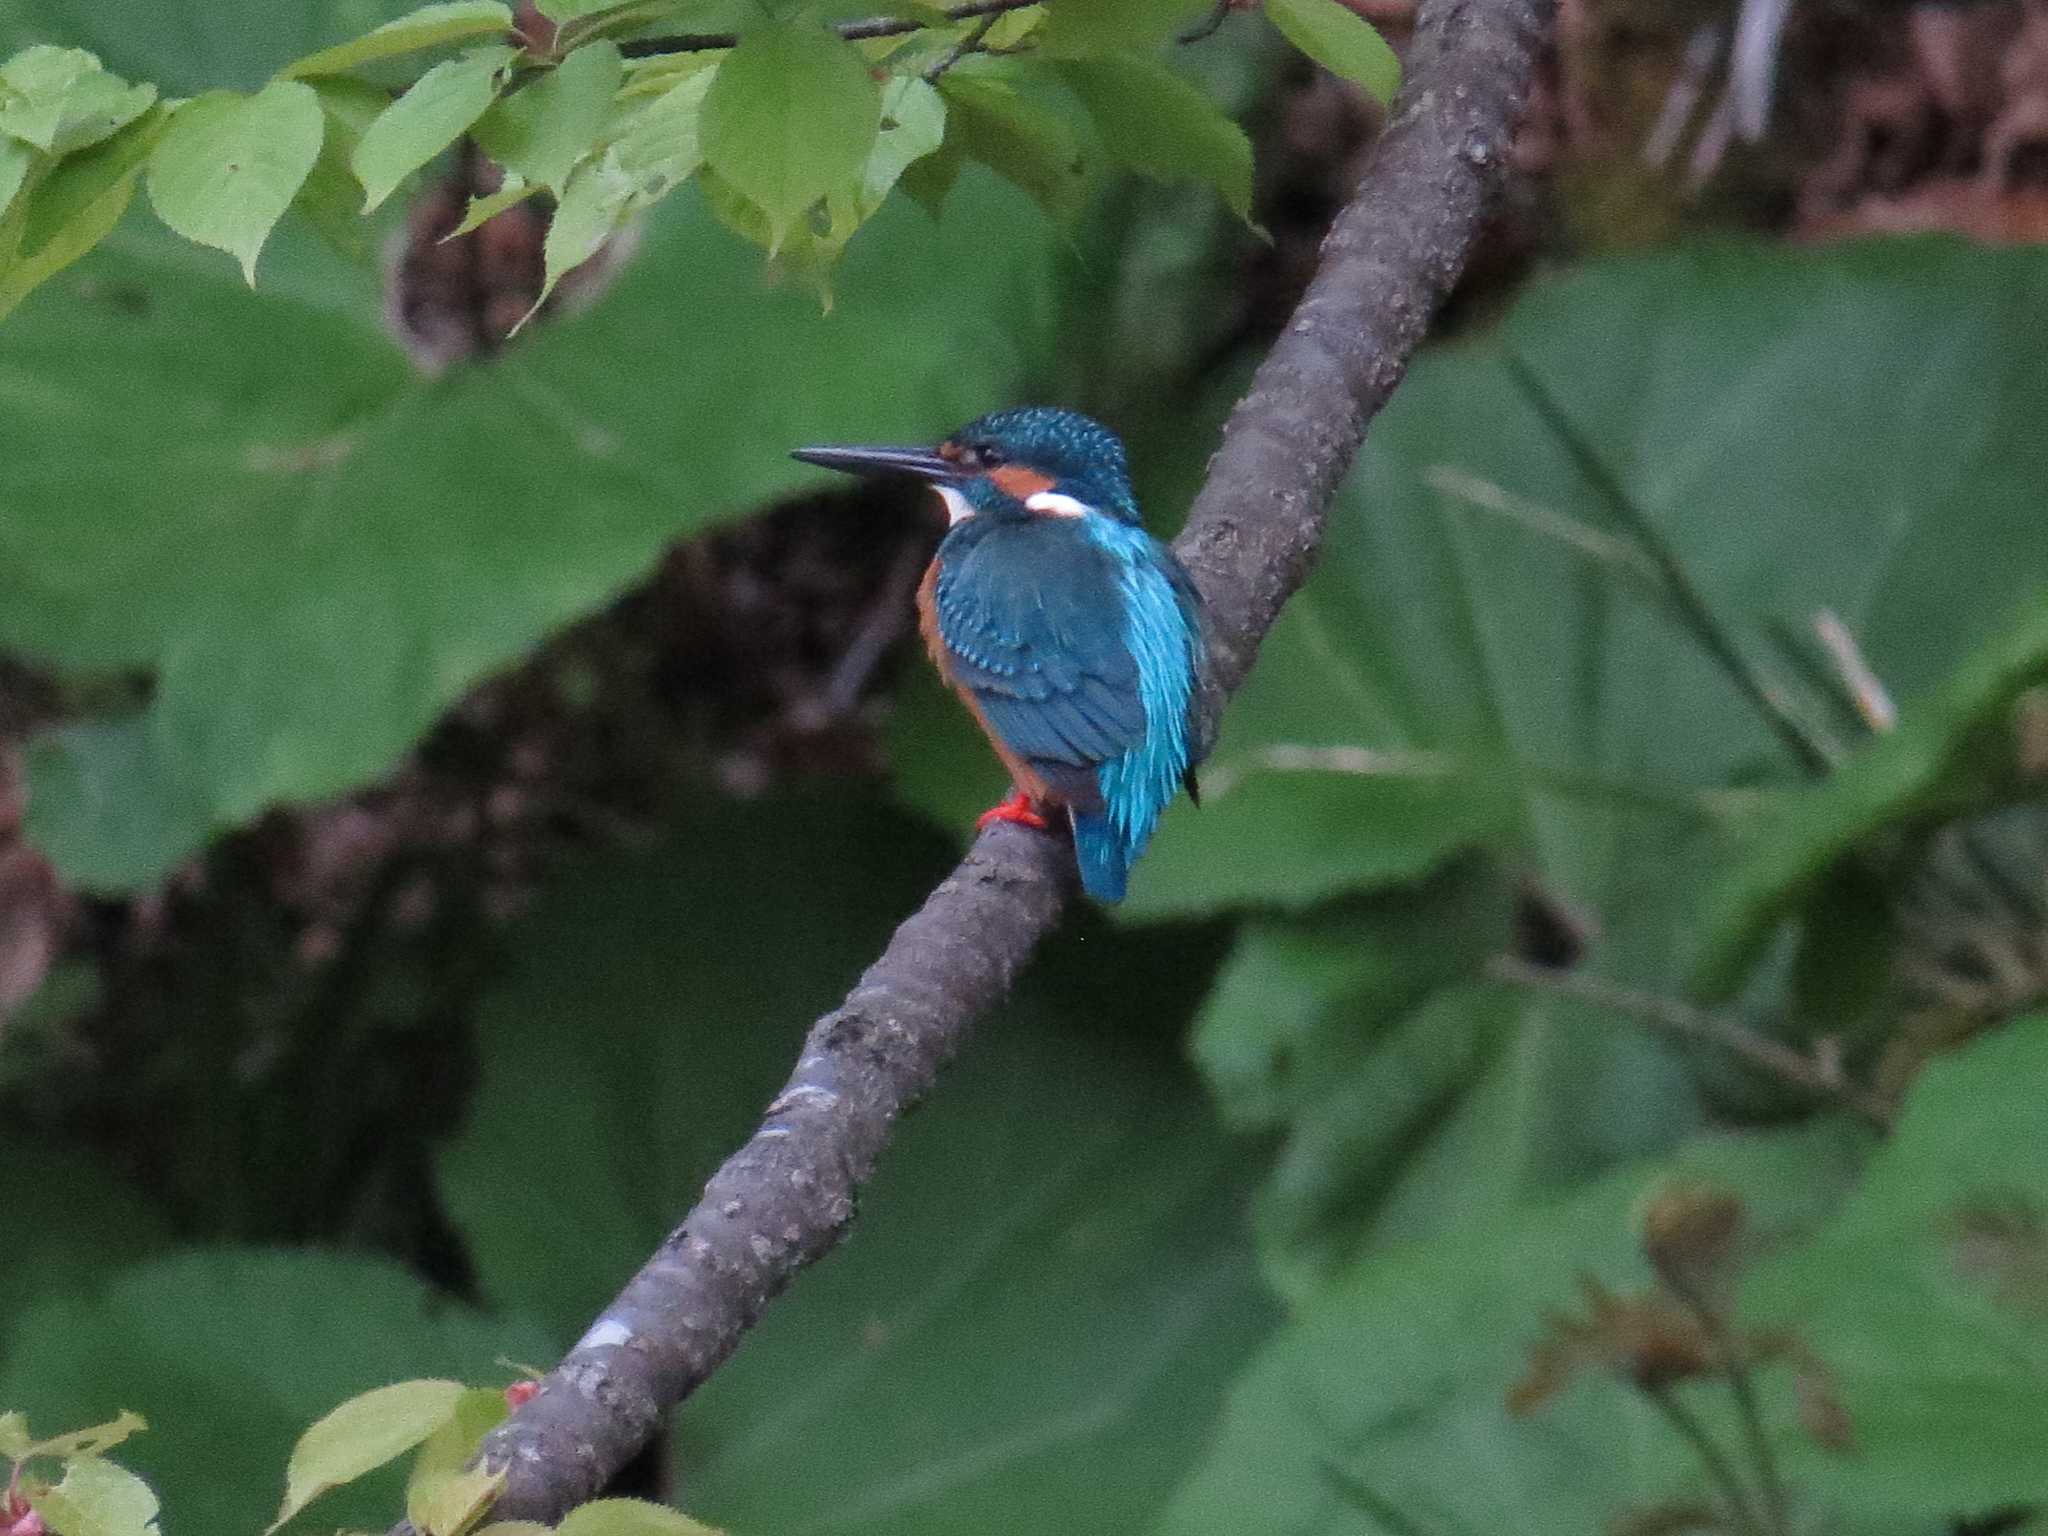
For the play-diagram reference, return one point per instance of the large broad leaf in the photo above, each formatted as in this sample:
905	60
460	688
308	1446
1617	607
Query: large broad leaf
186	52
229	1355
1956	752
1478	658
791	116
65	1224
1927	1299
1049	1282
1383	1407
315	550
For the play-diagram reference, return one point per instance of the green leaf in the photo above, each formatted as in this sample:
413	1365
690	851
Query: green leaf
450	1505
1390	1384
351	546
928	180
913	126
228	166
655	149
361	1435
60	99
431	26
331	200
482	210
96	1440
1954	753
1017	139
230	1353
86	815
1927	1298
541	132
1159	124
97	1498
630	1517
73	207
15	160
1355	1031
791	114
1040	1360
1275	837
593	22
1340	40
442	1493
1085	28
434	113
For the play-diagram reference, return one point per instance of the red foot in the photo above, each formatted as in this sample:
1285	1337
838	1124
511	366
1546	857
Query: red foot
1017	808
520	1393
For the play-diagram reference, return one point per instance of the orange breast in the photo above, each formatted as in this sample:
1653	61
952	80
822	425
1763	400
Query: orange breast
1021	772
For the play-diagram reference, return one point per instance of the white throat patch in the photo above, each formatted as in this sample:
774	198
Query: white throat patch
958	507
1056	505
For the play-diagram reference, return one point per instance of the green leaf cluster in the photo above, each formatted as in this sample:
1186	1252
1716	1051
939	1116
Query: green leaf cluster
89	1495
798	131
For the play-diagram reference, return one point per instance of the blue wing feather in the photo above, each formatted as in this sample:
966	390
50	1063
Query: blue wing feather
1078	639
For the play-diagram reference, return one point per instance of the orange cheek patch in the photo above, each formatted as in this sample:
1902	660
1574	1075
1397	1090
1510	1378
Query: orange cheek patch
1014	480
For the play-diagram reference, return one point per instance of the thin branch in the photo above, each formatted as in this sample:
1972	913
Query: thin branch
1692	606
787	1196
1720	1471
1748	1408
1820	1076
967	44
852	31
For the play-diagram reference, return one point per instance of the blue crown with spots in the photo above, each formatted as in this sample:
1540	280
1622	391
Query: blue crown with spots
1085	459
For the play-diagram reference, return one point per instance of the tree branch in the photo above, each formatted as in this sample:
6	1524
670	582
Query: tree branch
852	31
787	1196
1818	1075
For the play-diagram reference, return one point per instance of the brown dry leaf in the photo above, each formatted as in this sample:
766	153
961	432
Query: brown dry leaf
1649	1341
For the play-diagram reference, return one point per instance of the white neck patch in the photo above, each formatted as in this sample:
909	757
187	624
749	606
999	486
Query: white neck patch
958	507
1057	505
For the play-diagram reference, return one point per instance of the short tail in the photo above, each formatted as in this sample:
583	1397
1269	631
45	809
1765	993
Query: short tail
1104	857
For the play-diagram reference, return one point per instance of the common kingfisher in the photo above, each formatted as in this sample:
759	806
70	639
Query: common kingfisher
1073	636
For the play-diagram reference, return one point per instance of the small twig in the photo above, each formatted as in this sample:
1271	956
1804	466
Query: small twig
852	31
1872	699
1720	1471
1486	496
968	44
1735	1361
1682	1021
1690	603
885	619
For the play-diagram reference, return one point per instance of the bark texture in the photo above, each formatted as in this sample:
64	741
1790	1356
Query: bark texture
788	1195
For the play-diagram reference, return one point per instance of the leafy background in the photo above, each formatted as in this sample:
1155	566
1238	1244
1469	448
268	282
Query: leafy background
451	789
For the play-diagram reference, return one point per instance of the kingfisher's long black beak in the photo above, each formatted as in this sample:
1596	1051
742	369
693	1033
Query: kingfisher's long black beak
923	463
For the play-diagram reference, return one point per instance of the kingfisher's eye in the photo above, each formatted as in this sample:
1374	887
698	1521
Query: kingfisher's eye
982	455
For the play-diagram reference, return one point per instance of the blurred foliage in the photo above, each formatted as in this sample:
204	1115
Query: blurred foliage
800	128
1684	627
1045	1289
